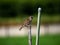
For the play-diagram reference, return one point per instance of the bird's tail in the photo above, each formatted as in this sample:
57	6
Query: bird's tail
21	27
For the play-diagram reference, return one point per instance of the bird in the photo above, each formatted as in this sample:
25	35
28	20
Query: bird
27	22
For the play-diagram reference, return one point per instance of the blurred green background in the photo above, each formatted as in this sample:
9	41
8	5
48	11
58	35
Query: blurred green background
13	12
44	40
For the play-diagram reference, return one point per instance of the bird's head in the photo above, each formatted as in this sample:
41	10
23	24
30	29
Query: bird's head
31	17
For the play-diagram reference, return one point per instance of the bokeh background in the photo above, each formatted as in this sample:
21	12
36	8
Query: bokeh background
14	12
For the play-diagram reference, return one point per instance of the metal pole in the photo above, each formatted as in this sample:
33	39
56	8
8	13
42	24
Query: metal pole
38	27
29	36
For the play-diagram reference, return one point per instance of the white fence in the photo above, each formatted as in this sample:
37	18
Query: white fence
14	30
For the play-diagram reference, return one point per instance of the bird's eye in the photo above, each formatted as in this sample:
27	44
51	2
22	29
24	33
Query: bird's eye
32	17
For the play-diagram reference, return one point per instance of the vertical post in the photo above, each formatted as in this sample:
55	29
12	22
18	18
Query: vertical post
38	27
29	36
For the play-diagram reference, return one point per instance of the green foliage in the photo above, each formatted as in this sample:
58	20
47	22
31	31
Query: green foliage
45	19
13	8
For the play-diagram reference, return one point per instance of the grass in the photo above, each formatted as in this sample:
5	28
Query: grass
50	40
44	40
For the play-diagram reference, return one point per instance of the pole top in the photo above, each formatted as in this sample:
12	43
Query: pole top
39	8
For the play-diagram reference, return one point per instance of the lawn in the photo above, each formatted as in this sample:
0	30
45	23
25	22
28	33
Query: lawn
44	40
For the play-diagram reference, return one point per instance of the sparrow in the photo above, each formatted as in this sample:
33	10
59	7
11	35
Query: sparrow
27	22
